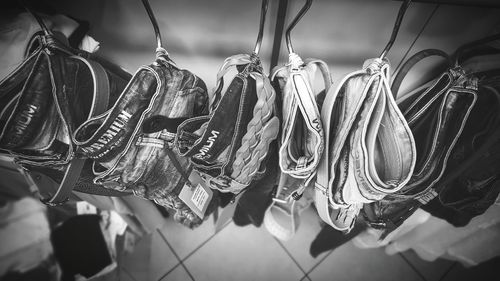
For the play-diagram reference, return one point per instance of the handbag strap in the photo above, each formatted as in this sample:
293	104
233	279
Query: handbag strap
412	61
323	188
325	71
99	105
262	129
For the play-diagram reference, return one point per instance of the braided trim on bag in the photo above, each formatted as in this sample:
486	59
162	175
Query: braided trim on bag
254	143
269	134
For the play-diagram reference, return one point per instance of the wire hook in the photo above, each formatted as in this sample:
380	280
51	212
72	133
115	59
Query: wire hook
297	18
460	50
395	30
263	12
39	20
155	26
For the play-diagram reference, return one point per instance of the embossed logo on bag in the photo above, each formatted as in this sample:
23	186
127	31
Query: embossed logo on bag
117	125
205	148
24	119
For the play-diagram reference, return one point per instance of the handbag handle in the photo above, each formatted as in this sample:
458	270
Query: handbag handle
161	52
301	13
406	67
263	12
468	46
395	30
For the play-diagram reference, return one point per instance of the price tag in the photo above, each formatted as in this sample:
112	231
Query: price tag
197	196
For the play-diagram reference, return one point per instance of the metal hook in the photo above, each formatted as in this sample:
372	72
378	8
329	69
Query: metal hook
265	4
297	18
155	25
459	52
39	20
395	30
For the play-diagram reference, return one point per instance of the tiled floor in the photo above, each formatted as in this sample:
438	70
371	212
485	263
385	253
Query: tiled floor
250	253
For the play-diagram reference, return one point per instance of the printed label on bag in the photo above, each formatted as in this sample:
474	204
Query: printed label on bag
428	196
196	195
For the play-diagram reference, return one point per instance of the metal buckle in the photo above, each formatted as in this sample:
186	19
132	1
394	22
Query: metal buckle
296	196
53	204
113	185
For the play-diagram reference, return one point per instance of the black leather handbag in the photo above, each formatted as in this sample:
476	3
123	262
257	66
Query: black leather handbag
455	121
54	90
229	146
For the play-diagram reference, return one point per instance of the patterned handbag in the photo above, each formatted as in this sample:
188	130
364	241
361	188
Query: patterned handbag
131	150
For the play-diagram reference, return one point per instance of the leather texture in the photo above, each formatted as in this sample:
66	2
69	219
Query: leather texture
454	121
228	147
128	158
369	148
301	141
55	89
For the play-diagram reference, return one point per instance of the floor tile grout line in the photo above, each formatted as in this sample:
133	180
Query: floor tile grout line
203	243
173	251
447	271
187	270
128	273
290	255
191	253
319	262
169	271
412	266
305	278
168	244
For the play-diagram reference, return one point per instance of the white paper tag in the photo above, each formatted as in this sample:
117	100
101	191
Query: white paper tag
199	197
83	207
196	196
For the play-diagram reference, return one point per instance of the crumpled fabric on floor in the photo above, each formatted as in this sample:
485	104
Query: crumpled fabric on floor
432	238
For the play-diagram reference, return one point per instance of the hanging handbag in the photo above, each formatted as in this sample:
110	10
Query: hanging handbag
302	137
228	147
55	89
454	122
369	152
129	145
369	149
301	142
